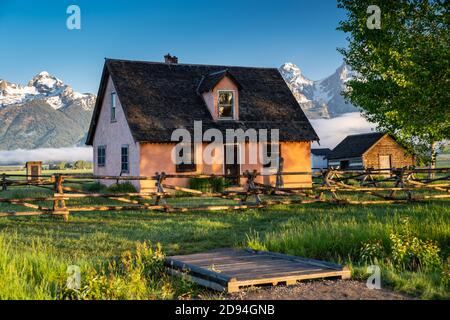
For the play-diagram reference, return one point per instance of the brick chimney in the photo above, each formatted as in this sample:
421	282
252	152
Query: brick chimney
170	59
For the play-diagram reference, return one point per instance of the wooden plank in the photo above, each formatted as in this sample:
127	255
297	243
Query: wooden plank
22	213
205	283
249	267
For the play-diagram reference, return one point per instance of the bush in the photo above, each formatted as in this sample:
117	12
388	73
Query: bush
94	187
371	252
413	254
213	184
122	188
407	251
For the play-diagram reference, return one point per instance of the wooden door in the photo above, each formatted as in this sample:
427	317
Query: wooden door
384	161
35	172
232	169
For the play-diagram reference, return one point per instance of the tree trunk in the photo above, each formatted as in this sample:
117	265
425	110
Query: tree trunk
433	160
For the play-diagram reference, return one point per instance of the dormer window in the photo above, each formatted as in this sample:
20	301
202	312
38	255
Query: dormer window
225	104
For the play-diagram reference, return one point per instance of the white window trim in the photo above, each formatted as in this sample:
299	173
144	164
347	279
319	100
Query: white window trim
233	107
113	106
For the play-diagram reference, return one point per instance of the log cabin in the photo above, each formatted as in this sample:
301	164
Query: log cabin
374	150
141	103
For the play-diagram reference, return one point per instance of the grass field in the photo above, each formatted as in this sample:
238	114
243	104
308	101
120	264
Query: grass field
112	248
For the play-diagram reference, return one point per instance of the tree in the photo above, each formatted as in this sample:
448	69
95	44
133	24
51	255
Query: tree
61	165
402	70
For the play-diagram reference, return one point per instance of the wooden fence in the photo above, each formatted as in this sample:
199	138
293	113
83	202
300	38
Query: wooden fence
329	186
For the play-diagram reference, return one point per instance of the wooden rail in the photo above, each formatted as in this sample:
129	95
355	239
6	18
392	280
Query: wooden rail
383	186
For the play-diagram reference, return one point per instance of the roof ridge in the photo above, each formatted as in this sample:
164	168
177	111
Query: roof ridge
191	64
367	133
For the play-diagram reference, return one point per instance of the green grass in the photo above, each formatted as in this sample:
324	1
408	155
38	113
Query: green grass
35	251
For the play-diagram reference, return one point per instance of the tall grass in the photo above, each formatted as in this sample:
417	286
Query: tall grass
31	273
339	236
39	272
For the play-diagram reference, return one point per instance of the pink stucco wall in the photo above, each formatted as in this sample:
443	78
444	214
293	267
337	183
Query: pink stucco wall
157	158
113	135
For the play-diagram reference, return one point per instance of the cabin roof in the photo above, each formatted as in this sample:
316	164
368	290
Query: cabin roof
158	98
355	145
321	152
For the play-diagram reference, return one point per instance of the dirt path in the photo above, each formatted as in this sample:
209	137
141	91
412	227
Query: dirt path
319	290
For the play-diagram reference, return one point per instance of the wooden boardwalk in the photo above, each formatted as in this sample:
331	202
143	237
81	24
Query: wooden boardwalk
228	270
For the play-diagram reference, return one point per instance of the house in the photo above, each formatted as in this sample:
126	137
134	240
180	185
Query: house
319	158
369	150
140	105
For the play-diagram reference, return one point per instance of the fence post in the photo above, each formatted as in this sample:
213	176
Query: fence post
279	176
159	188
4	185
329	173
59	204
251	187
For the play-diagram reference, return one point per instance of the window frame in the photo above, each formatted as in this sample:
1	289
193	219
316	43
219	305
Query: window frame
113	108
233	106
122	162
187	167
101	164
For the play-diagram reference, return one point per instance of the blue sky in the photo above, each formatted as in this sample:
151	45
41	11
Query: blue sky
263	33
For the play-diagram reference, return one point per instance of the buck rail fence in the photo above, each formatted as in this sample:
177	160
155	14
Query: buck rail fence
65	193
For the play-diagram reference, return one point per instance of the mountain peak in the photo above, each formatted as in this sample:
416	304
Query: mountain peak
293	75
319	99
44	81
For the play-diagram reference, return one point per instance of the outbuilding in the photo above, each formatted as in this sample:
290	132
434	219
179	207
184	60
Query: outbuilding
374	150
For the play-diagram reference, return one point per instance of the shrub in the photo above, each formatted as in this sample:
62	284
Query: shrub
122	187
94	187
213	184
411	253
371	252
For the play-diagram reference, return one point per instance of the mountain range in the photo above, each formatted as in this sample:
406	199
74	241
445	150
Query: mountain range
319	99
44	113
48	113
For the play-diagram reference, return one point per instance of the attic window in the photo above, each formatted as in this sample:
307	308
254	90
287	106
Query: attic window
113	106
226	104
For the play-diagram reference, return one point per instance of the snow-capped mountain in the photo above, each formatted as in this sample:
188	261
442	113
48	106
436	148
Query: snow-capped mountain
43	87
44	113
319	99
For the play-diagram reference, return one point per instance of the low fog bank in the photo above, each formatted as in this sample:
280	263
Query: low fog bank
333	131
47	155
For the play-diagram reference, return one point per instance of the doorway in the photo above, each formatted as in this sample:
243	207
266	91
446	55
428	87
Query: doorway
384	163
232	169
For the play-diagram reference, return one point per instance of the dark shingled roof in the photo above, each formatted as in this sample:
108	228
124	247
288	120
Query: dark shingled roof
321	152
208	82
355	145
158	98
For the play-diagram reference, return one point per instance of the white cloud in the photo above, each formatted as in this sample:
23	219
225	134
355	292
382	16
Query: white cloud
333	131
20	156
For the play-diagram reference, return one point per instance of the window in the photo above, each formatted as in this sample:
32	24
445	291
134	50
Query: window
190	166
101	156
113	106
273	152
226	104
125	168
